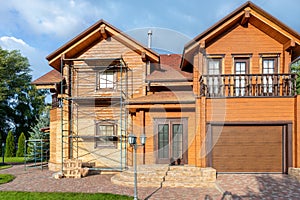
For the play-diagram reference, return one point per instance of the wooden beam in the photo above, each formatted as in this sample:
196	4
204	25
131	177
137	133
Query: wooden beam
102	31
202	44
289	44
144	57
246	17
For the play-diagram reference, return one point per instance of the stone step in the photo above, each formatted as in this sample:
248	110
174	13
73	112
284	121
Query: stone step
144	173
187	185
167	176
117	181
147	176
123	177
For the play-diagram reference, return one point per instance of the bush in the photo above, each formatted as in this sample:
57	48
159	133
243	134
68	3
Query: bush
21	145
10	145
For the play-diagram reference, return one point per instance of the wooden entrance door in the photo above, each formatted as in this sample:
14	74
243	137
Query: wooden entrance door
171	140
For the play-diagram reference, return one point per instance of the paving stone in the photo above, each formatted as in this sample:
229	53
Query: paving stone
241	186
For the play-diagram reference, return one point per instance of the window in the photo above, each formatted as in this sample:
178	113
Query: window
269	67
105	80
241	66
105	135
163	141
214	70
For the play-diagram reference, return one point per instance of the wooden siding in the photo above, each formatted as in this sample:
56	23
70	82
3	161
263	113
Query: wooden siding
112	48
159	112
250	109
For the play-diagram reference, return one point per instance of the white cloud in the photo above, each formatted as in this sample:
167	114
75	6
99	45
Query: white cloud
57	18
35	56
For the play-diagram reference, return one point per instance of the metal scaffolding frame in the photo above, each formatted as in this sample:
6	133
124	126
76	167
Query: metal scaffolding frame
39	155
71	99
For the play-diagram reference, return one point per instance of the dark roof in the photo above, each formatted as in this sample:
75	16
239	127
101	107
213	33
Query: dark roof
51	77
169	69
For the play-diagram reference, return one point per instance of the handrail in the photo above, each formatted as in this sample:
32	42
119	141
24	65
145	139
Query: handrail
248	85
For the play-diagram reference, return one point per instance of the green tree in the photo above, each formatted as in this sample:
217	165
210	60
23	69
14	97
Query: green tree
21	145
10	145
295	68
20	102
36	133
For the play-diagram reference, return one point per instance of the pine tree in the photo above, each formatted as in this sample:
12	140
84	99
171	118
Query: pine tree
36	133
10	145
21	145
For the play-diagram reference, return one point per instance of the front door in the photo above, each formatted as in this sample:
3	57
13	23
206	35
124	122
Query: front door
171	141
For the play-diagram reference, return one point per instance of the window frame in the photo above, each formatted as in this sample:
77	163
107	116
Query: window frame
275	66
108	141
108	84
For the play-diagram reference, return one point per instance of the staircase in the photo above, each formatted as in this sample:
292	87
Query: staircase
167	176
147	176
187	176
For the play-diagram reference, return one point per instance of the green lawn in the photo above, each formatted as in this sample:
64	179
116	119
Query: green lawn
59	195
5	178
12	159
5	166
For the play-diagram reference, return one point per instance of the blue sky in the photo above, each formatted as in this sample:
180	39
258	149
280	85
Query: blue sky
38	27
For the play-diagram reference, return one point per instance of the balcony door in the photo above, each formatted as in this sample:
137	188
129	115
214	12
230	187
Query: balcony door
269	67
241	66
171	141
214	69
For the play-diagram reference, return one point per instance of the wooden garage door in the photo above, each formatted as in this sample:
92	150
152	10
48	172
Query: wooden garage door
247	148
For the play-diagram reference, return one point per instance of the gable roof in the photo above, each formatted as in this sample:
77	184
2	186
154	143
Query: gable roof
169	70
246	12
99	30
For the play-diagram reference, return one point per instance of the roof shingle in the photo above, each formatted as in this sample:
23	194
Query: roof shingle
51	77
170	69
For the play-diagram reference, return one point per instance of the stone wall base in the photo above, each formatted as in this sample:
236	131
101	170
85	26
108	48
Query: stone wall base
54	166
295	172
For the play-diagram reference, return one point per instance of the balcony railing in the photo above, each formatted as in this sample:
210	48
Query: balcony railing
248	85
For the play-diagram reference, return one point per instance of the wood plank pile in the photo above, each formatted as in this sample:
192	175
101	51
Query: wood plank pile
73	169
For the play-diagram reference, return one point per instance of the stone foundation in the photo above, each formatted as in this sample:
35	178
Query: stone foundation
295	172
54	166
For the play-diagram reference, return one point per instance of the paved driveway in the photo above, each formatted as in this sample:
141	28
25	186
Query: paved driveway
242	186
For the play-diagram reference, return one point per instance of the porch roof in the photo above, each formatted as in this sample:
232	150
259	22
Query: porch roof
186	97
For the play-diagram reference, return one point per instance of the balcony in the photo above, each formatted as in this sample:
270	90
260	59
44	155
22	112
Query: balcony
248	85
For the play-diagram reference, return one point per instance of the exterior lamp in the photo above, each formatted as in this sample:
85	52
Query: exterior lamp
143	139
132	141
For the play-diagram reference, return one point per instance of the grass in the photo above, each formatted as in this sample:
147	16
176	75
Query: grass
59	195
5	178
5	166
12	159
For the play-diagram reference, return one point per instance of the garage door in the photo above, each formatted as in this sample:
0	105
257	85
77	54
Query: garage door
247	148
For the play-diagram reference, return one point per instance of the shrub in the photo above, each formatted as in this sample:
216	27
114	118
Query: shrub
21	145
10	145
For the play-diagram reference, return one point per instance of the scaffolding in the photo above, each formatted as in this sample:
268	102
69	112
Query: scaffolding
36	153
94	119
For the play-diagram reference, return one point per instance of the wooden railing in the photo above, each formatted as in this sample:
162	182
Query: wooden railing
248	85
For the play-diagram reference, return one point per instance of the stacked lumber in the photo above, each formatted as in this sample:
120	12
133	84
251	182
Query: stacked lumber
72	168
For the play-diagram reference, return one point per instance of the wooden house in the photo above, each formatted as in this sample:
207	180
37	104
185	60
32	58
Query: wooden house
228	102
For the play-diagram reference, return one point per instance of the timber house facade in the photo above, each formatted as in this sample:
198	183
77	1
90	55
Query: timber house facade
228	102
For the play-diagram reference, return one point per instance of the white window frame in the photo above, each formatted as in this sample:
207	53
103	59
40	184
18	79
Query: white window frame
105	80
103	136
